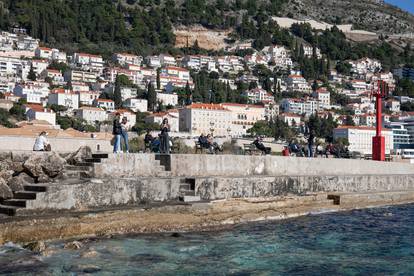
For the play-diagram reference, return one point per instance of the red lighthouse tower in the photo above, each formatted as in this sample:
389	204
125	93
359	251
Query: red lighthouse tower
378	141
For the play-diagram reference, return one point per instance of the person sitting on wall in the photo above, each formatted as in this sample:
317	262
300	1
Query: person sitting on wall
41	143
148	140
258	142
203	141
213	146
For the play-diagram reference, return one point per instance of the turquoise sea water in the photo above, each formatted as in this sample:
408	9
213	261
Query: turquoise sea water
363	242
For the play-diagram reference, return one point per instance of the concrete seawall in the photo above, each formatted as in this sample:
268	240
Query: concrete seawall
203	165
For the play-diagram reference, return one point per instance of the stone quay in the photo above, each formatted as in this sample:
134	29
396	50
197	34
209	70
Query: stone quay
47	196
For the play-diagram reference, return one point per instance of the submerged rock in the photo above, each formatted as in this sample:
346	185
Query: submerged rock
89	254
37	247
75	245
83	268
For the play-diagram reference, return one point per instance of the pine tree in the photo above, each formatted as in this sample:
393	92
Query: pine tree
32	75
151	97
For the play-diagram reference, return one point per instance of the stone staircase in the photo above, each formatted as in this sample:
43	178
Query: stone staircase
71	173
10	206
187	191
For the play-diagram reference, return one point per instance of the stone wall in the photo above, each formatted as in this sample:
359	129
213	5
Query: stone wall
22	143
132	191
205	165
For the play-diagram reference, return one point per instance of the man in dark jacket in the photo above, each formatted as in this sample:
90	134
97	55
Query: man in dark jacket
117	131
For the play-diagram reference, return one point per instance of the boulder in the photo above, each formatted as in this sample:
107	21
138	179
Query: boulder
44	166
17	167
79	156
75	245
5	156
6	175
17	183
5	191
53	165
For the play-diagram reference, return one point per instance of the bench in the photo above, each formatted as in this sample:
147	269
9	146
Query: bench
199	148
250	149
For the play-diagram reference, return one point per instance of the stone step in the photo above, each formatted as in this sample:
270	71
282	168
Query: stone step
77	168
15	202
84	164
8	210
185	187
25	195
188	193
190	198
163	174
35	188
100	155
93	160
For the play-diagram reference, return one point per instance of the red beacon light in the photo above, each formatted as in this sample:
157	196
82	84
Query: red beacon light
378	141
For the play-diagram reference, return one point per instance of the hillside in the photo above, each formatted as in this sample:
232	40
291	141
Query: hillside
370	15
151	26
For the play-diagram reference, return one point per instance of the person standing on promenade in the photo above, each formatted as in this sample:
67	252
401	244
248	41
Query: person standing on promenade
124	133
164	137
117	132
310	143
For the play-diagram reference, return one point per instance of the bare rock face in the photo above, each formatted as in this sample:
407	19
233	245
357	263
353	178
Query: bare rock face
79	156
5	191
17	183
44	166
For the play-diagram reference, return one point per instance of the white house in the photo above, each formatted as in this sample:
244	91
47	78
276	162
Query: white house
135	105
38	112
33	92
43	53
244	116
323	96
91	114
360	138
167	98
67	98
88	97
297	83
125	58
300	106
105	103
258	95
291	119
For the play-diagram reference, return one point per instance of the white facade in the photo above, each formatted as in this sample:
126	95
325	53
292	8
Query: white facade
323	97
106	104
291	119
167	98
38	112
125	58
299	106
14	69
258	95
88	97
205	118
135	105
167	60
33	92
91	114
360	138
65	98
43	52
244	116
297	83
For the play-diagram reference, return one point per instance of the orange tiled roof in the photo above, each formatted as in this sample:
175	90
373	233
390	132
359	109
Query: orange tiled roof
207	106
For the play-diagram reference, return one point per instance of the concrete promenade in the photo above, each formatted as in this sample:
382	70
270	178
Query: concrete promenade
127	193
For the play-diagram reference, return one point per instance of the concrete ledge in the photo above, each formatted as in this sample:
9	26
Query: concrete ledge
134	191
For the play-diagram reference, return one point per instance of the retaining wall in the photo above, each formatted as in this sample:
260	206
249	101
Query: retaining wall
205	165
113	192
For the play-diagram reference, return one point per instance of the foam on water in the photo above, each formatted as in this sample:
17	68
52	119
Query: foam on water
361	242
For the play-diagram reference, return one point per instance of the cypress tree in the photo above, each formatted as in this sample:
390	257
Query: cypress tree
151	97
117	93
31	75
